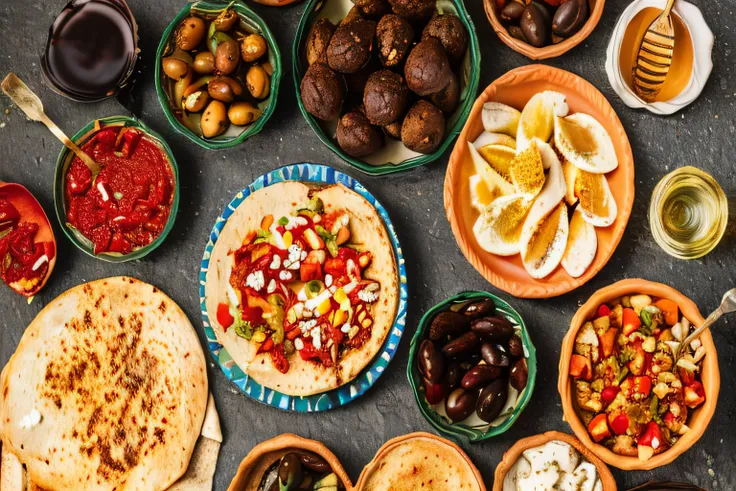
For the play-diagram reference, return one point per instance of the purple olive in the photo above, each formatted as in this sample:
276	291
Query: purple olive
431	362
516	347
453	375
493	329
480	309
494	354
480	376
460	404
491	400
461	345
519	374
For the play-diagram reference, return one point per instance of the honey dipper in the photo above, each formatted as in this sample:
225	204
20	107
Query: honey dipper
655	55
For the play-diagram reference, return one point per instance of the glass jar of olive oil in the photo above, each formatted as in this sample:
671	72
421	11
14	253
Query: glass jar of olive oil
688	213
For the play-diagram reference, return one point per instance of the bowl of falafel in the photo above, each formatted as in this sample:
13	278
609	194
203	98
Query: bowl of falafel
386	84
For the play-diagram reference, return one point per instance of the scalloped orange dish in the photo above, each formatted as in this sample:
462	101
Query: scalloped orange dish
586	113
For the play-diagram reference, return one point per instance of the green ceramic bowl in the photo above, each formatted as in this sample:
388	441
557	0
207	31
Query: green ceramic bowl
394	157
62	166
478	432
187	123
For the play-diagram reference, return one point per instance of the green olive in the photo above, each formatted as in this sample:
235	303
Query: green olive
191	33
180	86
224	89
226	20
195	102
204	63
252	47
242	113
227	56
174	68
257	81
214	119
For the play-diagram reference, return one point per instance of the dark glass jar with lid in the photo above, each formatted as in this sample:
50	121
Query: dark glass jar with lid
92	49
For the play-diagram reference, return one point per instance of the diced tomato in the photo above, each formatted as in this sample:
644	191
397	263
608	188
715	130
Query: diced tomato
669	309
598	428
310	271
609	394
652	436
580	367
608	342
620	424
694	395
603	311
630	321
224	318
335	267
642	385
279	358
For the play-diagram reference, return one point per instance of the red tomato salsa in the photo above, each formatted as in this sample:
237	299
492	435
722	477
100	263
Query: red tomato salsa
128	204
23	261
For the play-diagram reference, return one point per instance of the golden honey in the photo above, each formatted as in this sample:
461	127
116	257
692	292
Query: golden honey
681	69
688	213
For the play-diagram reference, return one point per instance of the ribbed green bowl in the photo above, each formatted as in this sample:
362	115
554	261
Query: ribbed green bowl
381	163
62	166
439	422
177	117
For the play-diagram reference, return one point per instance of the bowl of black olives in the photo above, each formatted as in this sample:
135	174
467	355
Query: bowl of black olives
541	29
472	366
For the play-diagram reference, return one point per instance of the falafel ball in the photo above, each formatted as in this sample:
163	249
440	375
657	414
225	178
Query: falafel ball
451	32
413	9
357	136
351	45
448	98
322	92
427	68
394	36
423	128
318	40
373	8
385	97
393	130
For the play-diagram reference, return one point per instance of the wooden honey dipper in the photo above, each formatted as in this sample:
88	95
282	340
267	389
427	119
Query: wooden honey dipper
655	55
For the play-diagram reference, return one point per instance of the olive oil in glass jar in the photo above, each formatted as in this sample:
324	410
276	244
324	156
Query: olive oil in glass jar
688	213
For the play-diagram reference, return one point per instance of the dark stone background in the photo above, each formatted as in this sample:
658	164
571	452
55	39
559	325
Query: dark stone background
701	135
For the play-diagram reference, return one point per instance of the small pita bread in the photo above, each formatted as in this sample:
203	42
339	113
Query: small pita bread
106	390
367	230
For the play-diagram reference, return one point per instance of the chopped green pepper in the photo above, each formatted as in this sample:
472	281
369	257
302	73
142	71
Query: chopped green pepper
621	376
284	221
314	288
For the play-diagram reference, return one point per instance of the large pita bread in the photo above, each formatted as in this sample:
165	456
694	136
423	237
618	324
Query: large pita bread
118	377
367	230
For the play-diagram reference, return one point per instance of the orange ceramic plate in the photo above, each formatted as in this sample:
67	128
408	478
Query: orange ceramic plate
30	210
515	88
512	454
711	378
553	50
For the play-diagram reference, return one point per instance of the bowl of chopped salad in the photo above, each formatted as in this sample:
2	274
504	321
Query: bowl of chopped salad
625	393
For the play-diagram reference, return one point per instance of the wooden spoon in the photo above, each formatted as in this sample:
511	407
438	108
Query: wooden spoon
29	102
728	305
655	55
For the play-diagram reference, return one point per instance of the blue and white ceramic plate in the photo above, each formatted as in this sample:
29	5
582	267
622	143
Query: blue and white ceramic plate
342	395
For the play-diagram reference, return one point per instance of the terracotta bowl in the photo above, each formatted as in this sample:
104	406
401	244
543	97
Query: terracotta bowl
512	454
515	88
262	456
553	50
373	466
711	379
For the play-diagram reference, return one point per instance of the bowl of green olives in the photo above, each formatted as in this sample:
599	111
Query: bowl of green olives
289	461
472	366
218	70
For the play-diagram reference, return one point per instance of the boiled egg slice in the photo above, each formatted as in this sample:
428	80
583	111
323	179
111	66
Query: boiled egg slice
485	184
527	171
585	143
582	244
537	120
498	228
596	200
486	138
500	118
570	172
542	253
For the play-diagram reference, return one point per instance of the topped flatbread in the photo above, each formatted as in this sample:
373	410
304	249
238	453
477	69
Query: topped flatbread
107	390
302	286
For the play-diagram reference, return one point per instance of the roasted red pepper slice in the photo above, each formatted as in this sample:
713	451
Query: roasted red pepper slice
279	358
224	318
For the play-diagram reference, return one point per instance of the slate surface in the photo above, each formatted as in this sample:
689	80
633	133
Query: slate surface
703	135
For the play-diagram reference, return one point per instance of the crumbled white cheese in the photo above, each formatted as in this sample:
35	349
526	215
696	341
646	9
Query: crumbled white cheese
298	309
306	326
271	286
30	420
278	239
275	262
299	344
295	252
350	286
345	328
295	222
328	280
286	275
304	255
39	262
316	338
255	280
302	295
294	266
313	303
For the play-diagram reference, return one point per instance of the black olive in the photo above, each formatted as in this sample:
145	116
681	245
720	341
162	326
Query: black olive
493	329
570	17
460	404
495	355
535	24
492	400
516	347
519	374
512	11
291	473
315	462
461	346
431	362
454	374
516	32
480	376
480	309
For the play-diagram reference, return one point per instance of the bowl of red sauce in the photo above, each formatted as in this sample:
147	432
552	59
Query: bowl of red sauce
126	211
